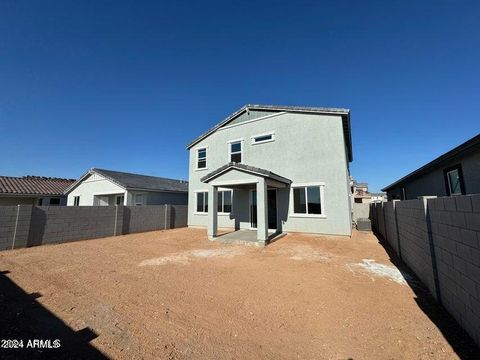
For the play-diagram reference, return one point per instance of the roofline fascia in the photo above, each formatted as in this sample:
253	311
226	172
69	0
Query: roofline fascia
29	195
274	177
151	190
342	112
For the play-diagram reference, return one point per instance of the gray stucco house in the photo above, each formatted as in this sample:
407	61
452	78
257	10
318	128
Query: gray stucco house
277	168
100	187
456	172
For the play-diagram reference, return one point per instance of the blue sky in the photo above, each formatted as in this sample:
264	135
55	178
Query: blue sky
125	85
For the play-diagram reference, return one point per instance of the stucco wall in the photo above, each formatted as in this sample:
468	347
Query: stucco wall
94	184
307	149
97	185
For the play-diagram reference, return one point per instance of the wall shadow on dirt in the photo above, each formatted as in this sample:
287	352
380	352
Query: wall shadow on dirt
22	317
458	338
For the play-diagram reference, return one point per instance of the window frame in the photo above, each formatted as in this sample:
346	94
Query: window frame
270	133
136	203
241	152
223	202
205	204
54	198
76	200
323	213
119	196
197	150
446	171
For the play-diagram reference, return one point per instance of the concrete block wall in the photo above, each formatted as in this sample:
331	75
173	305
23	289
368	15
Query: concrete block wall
14	226
381	219
26	225
59	224
146	218
178	216
455	223
391	225
415	246
439	239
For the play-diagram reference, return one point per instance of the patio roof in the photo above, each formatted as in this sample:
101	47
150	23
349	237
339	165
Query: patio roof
247	169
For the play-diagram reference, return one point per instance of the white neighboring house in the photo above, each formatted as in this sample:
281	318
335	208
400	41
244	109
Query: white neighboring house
100	187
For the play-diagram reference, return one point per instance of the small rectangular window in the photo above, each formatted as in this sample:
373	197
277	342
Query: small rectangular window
263	138
76	200
40	202
236	152
224	201
55	201
202	202
202	158
119	199
307	200
138	199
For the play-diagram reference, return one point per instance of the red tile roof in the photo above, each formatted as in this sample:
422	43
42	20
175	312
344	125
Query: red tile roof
34	185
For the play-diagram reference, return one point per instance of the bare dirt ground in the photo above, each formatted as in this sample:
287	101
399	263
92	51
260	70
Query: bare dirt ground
175	295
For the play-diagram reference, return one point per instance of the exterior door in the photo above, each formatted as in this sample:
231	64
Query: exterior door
271	206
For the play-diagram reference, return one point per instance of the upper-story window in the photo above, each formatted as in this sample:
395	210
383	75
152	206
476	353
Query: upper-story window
202	158
236	151
263	138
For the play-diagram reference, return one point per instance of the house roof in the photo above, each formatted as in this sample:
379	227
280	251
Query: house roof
131	181
34	185
462	149
344	113
244	168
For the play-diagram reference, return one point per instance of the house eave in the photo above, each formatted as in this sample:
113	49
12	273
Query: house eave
344	113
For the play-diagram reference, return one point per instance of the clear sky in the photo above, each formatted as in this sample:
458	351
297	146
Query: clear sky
125	85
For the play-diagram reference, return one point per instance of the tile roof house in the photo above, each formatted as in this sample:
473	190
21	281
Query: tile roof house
273	169
102	187
33	190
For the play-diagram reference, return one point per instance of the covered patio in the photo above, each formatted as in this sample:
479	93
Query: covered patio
261	186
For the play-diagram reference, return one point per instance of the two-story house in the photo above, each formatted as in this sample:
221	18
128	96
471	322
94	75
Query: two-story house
278	168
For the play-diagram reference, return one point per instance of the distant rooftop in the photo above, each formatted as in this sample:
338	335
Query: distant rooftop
137	181
34	185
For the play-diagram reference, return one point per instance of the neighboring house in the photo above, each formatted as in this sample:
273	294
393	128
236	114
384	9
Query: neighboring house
456	172
33	190
273	167
378	197
360	193
101	187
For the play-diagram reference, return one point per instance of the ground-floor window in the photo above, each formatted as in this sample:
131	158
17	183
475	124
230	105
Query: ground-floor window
202	202
119	199
307	200
139	199
54	201
225	201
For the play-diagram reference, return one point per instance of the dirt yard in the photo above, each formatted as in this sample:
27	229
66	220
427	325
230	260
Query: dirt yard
175	295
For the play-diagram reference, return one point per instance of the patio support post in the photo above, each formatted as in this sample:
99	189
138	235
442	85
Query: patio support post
262	208
212	211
